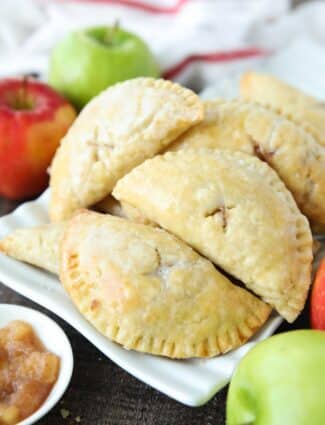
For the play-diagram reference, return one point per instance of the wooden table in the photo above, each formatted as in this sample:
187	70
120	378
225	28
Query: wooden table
101	393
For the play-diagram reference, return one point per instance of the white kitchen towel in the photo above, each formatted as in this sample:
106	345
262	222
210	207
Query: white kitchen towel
180	32
196	42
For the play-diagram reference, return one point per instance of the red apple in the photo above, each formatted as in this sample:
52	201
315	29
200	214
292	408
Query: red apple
33	119
317	307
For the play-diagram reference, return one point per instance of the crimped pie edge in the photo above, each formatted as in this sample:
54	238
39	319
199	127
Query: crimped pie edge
209	347
191	100
303	234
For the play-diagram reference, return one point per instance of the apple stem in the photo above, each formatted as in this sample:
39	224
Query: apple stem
111	31
116	25
24	90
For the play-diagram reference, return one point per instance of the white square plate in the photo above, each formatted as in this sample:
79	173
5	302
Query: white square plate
192	382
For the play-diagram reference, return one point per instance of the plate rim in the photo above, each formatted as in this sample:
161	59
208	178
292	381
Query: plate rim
7	277
51	401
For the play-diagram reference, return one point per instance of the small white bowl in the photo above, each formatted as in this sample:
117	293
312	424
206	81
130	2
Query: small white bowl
55	340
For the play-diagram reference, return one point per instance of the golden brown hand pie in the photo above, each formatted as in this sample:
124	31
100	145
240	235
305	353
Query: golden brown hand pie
38	245
148	291
116	131
291	151
233	209
267	90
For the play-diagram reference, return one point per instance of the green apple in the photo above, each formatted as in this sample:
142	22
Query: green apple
86	62
281	381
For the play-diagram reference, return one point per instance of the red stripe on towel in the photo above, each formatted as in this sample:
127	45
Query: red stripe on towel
135	4
226	56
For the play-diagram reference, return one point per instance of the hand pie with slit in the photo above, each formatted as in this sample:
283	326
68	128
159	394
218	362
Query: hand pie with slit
148	291
120	128
287	100
233	209
292	152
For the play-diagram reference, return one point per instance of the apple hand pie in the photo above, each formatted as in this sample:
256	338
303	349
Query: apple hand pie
38	245
291	151
148	291
126	124
233	209
305	110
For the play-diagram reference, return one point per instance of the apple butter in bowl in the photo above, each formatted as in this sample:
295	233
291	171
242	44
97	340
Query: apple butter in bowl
28	372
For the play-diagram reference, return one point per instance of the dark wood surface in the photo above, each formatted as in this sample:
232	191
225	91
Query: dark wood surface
101	393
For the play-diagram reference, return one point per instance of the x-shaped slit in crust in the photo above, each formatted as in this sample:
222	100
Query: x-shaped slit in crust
160	263
167	266
223	211
95	151
158	257
98	144
263	155
157	267
96	157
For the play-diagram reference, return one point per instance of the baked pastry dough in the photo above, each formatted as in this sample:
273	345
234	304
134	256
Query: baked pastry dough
116	131
223	127
291	151
267	90
233	209
38	245
149	291
109	205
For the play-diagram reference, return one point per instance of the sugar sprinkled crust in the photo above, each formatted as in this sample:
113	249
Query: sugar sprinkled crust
36	245
291	151
148	291
234	209
116	131
286	100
